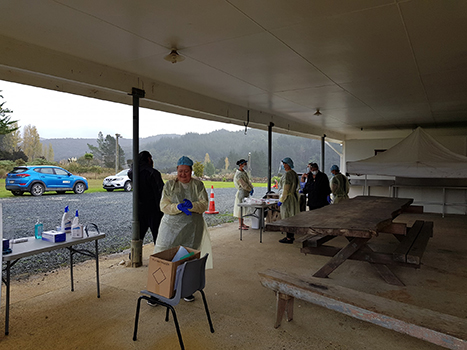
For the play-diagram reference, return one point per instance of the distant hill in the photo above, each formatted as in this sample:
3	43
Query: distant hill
219	144
65	148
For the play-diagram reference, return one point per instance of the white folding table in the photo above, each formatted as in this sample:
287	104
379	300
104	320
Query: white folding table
36	246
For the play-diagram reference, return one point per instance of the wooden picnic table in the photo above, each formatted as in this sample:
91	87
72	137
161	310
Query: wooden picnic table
359	219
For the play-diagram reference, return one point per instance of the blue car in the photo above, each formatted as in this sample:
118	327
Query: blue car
41	178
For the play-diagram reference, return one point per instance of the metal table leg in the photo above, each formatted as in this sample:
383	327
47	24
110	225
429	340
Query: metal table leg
97	270
7	306
71	267
241	220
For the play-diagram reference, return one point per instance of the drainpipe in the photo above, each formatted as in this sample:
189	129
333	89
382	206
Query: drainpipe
269	155
323	140
136	243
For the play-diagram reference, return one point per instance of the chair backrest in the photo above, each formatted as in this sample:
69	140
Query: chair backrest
193	276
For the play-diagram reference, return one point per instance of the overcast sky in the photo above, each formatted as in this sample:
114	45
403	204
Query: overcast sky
57	114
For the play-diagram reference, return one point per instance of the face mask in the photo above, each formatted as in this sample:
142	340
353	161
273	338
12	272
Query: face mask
245	168
314	173
282	166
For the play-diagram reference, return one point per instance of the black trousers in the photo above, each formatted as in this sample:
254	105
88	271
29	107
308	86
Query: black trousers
149	220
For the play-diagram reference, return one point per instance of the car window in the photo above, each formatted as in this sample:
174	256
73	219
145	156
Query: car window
60	172
123	173
45	170
19	170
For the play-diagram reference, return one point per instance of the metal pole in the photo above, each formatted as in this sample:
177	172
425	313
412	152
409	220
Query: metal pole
136	243
269	154
116	152
323	139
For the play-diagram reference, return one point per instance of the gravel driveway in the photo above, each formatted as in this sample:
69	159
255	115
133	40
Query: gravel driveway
110	211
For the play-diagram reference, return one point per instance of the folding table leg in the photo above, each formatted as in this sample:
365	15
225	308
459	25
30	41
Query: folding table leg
354	245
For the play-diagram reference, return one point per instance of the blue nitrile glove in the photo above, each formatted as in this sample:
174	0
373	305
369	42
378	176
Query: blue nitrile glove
279	204
251	192
329	199
188	203
183	207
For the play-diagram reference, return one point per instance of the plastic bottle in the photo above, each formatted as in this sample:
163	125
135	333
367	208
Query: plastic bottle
66	221
38	228
75	226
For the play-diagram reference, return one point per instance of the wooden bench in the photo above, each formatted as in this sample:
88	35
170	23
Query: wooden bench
434	327
413	245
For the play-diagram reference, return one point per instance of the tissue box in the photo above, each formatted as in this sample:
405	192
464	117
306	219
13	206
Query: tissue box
162	271
54	236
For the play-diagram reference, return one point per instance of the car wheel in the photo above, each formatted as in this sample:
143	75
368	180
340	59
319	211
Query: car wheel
17	193
37	189
61	192
110	189
128	186
79	188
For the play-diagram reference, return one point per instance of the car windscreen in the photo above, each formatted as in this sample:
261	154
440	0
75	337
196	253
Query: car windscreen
123	173
19	170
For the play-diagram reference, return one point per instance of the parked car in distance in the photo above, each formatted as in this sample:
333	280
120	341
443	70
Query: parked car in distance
118	181
38	179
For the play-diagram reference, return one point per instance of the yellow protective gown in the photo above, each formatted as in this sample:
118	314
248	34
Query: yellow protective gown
176	227
289	194
243	186
340	188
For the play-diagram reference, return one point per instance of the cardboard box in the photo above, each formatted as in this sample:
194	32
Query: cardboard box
54	236
162	271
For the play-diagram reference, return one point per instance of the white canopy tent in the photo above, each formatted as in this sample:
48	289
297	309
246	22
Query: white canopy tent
419	155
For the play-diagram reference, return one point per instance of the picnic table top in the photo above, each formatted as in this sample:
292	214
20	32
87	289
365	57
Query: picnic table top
361	216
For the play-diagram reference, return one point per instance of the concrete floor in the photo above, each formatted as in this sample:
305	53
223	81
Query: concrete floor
44	314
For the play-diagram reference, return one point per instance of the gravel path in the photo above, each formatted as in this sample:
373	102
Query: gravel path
111	211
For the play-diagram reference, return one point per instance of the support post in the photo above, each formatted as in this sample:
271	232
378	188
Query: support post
323	139
136	243
269	155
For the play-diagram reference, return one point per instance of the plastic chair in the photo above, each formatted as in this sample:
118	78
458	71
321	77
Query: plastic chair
190	278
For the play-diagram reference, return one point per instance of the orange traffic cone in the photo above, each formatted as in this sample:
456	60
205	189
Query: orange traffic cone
212	205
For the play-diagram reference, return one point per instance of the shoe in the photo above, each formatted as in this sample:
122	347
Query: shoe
189	298
287	240
153	304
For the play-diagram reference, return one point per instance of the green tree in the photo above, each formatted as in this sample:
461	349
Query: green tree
198	169
31	142
50	153
209	169
6	124
88	157
105	151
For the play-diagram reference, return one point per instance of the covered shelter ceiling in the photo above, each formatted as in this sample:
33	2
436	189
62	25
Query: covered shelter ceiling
371	67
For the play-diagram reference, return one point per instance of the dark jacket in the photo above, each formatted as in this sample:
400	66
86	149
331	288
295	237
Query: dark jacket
150	188
318	190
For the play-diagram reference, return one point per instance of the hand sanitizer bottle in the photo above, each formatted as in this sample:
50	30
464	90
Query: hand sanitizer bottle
38	228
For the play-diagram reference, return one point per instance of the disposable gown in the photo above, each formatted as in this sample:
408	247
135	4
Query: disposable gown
289	194
176	227
340	188
243	186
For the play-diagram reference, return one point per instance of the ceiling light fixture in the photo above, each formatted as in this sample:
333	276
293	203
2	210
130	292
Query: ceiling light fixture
317	113
174	57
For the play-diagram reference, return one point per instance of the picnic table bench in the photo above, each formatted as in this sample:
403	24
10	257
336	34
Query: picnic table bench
435	327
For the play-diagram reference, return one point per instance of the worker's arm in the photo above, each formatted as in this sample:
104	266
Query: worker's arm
245	185
201	205
285	193
167	207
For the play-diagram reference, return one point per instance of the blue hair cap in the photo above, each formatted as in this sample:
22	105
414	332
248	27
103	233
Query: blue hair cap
334	168
288	161
185	161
